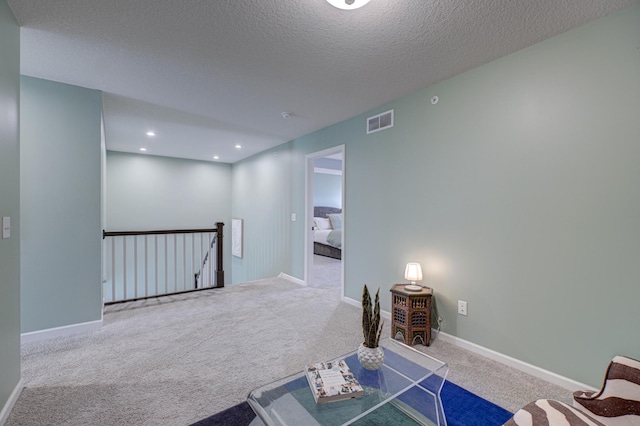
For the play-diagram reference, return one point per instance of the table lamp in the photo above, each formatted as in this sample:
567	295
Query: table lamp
413	273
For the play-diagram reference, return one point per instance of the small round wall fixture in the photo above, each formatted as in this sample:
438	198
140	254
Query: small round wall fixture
348	4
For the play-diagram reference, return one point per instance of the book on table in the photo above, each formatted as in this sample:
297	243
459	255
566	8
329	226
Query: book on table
332	381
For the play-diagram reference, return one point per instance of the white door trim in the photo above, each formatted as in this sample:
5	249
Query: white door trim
308	235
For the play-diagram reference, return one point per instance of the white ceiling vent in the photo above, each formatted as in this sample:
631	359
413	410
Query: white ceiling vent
380	122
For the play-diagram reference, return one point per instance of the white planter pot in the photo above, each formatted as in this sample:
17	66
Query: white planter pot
370	358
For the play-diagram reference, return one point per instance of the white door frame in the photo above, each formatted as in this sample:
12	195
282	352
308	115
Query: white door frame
308	235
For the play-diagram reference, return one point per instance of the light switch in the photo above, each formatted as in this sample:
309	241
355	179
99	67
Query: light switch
293	217
6	227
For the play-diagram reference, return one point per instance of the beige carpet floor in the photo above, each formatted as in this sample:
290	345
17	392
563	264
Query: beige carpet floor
176	360
327	272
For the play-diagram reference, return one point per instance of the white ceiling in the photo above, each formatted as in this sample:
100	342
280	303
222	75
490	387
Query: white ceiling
207	74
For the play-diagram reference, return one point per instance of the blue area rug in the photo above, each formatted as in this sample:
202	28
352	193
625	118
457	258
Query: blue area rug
461	408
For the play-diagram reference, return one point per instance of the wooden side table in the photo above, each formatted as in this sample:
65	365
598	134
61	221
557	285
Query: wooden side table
411	315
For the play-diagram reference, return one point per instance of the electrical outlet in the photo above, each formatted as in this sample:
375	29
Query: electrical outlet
462	307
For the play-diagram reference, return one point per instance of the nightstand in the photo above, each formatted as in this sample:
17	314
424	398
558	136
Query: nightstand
411	315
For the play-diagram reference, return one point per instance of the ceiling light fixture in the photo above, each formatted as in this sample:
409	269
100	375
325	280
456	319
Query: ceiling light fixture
238	146
143	149
151	133
286	115
215	157
347	4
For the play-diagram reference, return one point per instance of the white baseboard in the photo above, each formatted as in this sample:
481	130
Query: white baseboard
352	302
533	370
538	372
6	410
383	314
292	279
67	330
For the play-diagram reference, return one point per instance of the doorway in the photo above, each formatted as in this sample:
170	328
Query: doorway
324	219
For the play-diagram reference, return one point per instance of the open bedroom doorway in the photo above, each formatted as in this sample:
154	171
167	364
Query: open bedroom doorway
324	239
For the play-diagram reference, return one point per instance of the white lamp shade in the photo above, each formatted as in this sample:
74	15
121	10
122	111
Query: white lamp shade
413	272
342	4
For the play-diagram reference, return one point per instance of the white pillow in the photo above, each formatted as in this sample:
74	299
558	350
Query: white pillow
336	220
322	223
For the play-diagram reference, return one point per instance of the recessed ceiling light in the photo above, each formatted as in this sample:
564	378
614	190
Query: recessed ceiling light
143	149
151	133
348	4
215	157
238	146
287	114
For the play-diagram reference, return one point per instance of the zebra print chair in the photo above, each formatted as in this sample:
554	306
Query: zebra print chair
616	404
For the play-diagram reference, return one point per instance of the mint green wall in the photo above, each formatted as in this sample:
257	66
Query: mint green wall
517	192
149	192
9	203
267	188
261	191
60	204
327	190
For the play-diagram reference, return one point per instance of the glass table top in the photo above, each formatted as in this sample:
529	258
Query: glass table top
404	391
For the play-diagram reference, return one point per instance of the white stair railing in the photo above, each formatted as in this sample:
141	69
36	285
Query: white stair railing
145	264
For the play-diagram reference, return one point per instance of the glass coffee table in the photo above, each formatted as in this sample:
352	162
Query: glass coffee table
404	391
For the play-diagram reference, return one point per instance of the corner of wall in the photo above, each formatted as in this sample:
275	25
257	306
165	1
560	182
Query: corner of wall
6	410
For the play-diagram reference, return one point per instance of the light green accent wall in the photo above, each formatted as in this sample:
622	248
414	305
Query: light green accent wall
261	191
9	203
149	192
517	192
327	190
60	204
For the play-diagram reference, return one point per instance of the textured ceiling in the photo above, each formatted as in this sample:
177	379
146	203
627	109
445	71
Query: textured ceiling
208	74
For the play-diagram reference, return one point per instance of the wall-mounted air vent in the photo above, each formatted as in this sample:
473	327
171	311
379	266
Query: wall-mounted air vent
380	122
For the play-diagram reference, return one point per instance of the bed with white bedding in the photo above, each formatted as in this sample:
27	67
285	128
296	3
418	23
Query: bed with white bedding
327	231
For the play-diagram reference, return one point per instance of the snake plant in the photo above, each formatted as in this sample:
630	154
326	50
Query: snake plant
371	324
